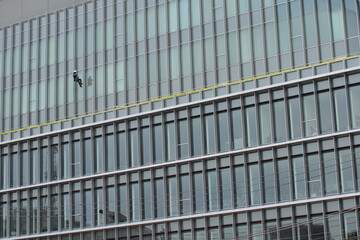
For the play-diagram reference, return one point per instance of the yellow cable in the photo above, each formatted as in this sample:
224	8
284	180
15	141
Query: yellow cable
174	95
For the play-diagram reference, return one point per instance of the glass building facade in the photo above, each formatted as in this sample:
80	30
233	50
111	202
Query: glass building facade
164	140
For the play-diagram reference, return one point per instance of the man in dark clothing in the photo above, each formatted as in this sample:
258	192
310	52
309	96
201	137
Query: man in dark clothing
76	78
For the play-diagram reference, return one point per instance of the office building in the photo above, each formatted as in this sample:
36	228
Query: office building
198	119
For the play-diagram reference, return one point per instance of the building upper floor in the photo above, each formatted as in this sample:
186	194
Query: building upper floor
132	51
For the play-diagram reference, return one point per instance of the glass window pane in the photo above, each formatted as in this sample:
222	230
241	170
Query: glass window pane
240	186
109	142
170	141
161	17
185	200
184	13
65	161
298	168
76	159
294	118
122	147
88	208
251	126
284	179
44	165
337	20
54	162
254	184
147	197
110	205
225	189
314	177
99	155
258	43
325	112
212	193
355	110
159	198
87	157
237	129
269	182
183	139
145	146
223	131
309	115
265	124
158	143
124	203
283	26
330	178
346	171
196	136
172	196
173	16
198	192
195	12
99	207
209	134
233	48
76	214
24	172
309	23
280	121
341	115
99	36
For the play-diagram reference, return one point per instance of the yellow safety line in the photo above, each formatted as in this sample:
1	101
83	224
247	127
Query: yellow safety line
174	95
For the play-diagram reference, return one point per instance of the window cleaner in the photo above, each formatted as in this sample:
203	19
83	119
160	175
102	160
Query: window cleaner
77	79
